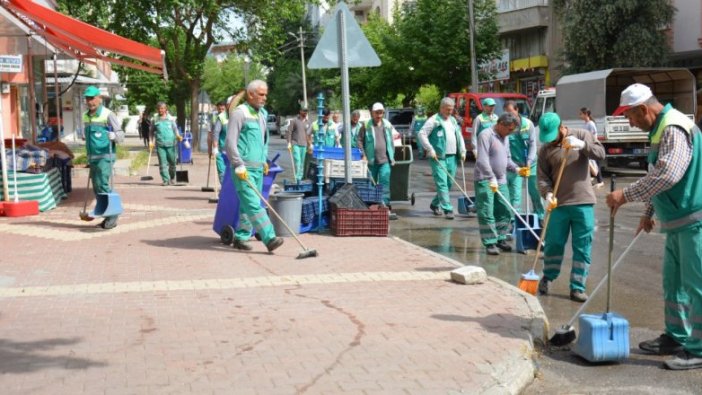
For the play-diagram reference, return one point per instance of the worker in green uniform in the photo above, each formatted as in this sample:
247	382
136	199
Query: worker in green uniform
671	189
247	147
102	130
572	206
164	132
420	117
219	136
355	128
329	132
442	140
483	121
298	136
522	147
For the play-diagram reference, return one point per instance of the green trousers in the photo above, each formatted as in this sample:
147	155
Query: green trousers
494	215
682	287
221	167
251	214
420	148
443	182
166	162
381	175
579	222
100	173
299	152
515	182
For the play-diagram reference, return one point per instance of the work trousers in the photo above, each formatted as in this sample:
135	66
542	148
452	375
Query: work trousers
299	152
494	215
682	287
516	183
381	175
166	162
221	167
251	215
579	221
443	182
100	173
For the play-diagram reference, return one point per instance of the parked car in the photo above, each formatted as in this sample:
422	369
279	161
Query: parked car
283	130
272	123
401	118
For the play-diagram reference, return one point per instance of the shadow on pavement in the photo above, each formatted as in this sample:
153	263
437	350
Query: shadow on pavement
501	324
565	354
25	357
199	243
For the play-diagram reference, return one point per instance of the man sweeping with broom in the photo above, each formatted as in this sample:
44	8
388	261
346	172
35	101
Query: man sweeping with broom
672	189
572	207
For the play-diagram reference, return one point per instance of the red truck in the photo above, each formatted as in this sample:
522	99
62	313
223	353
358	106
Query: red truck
469	105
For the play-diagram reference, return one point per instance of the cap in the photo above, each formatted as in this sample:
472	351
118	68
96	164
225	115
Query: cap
548	127
303	108
91	91
633	95
378	107
488	101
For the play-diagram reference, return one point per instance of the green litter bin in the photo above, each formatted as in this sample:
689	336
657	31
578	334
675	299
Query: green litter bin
400	175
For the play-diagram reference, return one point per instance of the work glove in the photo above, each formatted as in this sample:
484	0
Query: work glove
215	151
475	154
112	136
493	185
151	146
551	201
289	147
572	142
433	155
179	138
266	168
463	157
241	172
524	171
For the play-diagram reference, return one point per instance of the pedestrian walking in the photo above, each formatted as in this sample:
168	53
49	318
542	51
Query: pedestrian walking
145	126
219	136
375	141
572	209
299	139
247	147
164	132
329	136
420	117
483	121
590	126
442	140
490	176
355	128
671	189
102	131
522	148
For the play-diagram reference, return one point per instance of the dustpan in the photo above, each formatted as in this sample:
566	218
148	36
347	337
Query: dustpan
181	175
108	204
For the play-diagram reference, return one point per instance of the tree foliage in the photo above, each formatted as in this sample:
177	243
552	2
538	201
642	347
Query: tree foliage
600	34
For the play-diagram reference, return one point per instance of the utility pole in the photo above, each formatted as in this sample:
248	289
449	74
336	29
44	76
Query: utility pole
301	38
471	27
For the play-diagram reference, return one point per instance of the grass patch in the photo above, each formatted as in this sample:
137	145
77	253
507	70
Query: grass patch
139	161
82	159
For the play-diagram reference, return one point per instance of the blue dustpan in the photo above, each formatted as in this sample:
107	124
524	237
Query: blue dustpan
107	205
603	337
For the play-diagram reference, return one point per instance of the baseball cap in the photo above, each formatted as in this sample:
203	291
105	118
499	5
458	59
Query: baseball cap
378	107
634	95
488	101
548	127
91	91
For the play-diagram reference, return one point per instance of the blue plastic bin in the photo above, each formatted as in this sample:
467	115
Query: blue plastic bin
227	214
185	155
337	153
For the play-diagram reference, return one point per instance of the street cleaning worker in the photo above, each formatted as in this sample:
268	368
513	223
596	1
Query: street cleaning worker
165	132
490	176
416	125
247	147
671	189
483	121
219	136
572	210
375	141
298	140
522	147
441	138
355	128
102	130
329	137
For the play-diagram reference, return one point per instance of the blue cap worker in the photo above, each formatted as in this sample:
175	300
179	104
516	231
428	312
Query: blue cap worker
572	206
484	120
329	132
164	132
247	147
420	117
102	130
671	189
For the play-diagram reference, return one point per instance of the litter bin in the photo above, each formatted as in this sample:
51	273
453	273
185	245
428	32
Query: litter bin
185	154
400	174
289	206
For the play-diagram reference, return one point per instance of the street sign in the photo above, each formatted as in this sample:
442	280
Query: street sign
359	51
10	63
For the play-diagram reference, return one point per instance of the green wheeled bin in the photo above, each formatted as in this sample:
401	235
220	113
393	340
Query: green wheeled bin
400	175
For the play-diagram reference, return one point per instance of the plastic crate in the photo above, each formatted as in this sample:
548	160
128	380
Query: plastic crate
337	153
304	186
336	168
310	208
365	189
348	222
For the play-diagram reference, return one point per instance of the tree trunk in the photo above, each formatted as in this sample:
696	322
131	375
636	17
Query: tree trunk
180	111
195	112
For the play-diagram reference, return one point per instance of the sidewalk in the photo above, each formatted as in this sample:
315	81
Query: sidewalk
159	305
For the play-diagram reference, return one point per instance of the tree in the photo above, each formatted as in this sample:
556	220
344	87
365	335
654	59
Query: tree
601	34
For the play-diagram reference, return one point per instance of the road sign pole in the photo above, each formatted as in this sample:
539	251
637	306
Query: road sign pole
344	65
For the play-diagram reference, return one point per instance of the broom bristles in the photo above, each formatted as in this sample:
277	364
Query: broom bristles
528	286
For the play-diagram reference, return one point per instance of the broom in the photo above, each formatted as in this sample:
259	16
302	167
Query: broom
147	177
529	282
454	180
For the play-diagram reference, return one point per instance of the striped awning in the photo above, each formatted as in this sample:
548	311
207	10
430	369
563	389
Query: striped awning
44	187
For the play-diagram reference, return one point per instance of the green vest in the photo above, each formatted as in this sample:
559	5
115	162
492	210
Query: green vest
418	123
519	144
163	131
680	206
96	128
253	142
224	121
329	139
369	141
437	136
486	121
354	134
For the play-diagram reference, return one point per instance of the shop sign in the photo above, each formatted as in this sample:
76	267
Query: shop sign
10	63
495	69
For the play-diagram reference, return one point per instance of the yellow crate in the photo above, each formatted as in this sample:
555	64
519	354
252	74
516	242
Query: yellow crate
335	169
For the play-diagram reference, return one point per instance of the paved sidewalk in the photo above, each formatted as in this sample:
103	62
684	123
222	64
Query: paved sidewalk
159	305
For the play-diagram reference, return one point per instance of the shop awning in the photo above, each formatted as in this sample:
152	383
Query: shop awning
84	42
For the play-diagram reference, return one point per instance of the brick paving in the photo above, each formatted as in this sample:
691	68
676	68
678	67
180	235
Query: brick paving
159	305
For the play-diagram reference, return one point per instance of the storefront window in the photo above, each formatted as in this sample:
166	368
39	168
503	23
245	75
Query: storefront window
25	126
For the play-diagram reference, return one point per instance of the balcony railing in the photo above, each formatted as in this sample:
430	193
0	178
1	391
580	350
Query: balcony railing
514	5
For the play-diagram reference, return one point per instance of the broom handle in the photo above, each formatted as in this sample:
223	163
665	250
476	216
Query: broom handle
504	199
605	278
611	247
251	185
148	162
453	179
548	213
463	174
87	188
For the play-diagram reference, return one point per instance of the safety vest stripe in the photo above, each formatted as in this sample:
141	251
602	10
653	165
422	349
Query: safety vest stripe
686	220
103	156
683	308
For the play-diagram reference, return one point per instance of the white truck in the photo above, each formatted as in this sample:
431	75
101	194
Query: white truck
600	92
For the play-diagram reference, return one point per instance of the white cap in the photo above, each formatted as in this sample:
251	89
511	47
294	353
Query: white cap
633	95
229	99
378	107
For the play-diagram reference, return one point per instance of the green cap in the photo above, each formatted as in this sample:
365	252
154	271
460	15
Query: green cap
489	101
548	127
91	91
